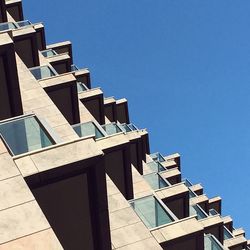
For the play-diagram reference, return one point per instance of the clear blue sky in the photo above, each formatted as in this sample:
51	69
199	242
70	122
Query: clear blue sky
184	67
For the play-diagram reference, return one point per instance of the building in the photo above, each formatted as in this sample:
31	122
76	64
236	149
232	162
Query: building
75	173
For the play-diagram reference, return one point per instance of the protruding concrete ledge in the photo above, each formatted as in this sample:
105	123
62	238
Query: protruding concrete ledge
239	232
236	242
228	222
186	231
197	188
176	157
51	157
61	63
169	164
172	175
213	225
201	200
62	47
215	203
122	110
92	99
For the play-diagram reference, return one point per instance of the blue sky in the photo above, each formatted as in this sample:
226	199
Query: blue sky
184	67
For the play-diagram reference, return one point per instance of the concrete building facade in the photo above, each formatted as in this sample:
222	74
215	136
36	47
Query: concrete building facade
75	173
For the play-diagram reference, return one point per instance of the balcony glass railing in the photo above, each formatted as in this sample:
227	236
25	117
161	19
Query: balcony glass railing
23	23
211	243
88	129
128	127
151	212
155	181
111	128
155	166
14	25
227	234
24	134
157	157
81	87
198	211
192	194
212	211
42	72
187	183
74	67
49	53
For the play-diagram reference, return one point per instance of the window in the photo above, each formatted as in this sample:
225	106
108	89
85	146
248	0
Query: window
155	181
24	134
88	129
151	212
43	72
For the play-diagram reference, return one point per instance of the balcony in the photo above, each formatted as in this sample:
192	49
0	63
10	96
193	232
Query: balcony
151	212
43	72
24	134
88	129
211	243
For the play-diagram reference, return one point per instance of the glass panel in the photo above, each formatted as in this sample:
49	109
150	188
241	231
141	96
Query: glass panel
210	243
151	212
191	194
111	128
81	87
227	234
23	23
155	181
187	183
156	166
7	26
132	127
74	67
24	135
42	72
125	127
198	211
157	157
49	52
213	212
87	129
